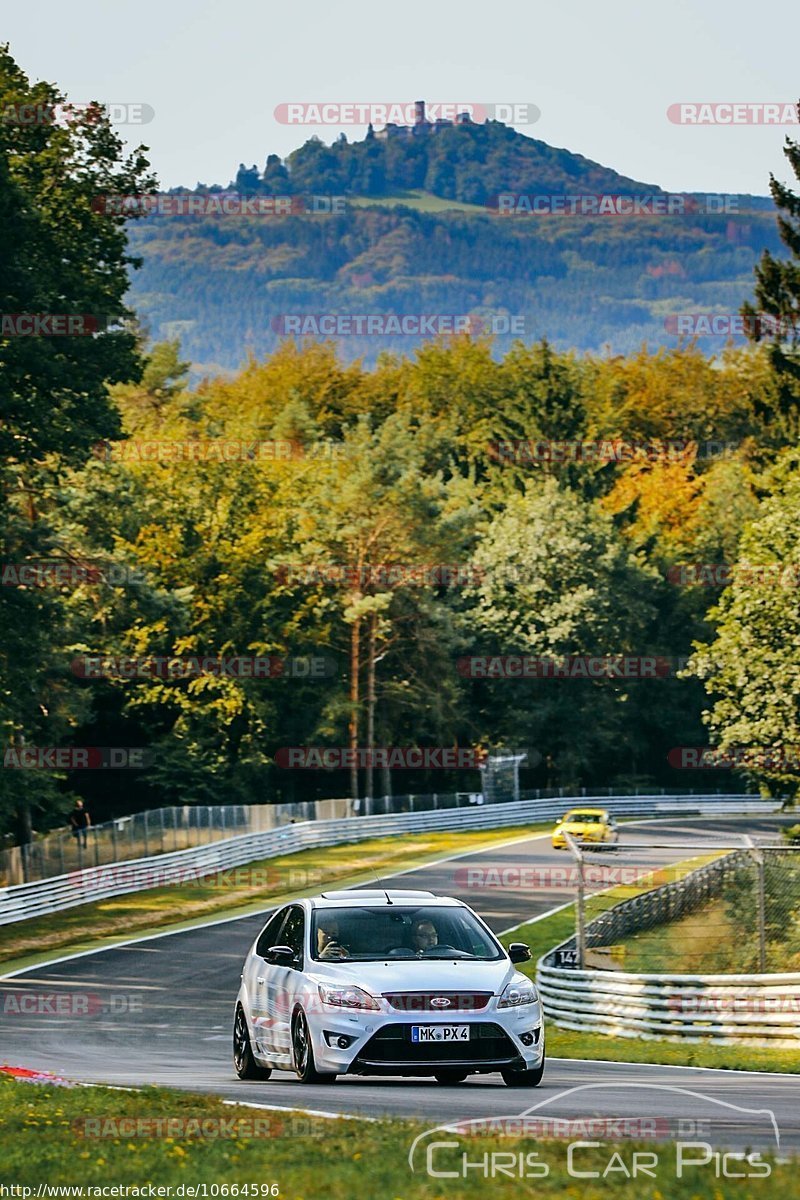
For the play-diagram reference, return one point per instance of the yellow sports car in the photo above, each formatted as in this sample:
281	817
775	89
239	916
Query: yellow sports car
586	825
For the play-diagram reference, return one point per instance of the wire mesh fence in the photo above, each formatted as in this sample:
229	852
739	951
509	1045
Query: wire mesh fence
725	910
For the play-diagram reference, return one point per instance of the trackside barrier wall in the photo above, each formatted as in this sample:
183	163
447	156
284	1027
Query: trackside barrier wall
40	898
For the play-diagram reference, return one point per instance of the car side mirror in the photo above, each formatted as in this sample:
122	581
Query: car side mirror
518	952
281	956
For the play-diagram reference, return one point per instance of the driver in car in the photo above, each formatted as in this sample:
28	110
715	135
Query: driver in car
329	947
424	935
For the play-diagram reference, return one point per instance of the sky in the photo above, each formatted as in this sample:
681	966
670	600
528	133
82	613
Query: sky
602	75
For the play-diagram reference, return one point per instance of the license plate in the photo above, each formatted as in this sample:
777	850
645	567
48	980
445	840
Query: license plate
440	1033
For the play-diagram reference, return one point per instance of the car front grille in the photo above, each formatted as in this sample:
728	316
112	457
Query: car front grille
392	1046
412	1002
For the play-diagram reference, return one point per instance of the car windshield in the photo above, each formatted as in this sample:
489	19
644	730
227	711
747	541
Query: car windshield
585	818
402	932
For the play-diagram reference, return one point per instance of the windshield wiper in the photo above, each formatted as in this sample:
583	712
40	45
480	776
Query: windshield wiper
452	954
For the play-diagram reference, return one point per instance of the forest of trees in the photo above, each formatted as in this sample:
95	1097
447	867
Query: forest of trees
603	284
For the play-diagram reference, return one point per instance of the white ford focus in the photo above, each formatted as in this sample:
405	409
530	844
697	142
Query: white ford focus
385	983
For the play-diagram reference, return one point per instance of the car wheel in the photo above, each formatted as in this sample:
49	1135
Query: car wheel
527	1078
303	1053
244	1063
450	1076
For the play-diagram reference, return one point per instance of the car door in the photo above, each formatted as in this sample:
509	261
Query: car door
256	980
285	983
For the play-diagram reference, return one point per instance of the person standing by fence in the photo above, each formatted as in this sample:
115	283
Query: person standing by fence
79	822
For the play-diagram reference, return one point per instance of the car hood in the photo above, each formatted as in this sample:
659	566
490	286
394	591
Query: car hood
419	975
581	826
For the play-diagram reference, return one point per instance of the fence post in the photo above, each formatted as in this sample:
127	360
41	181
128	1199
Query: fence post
580	903
762	914
146	847
761	902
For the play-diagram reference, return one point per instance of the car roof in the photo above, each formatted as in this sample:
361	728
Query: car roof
602	811
387	897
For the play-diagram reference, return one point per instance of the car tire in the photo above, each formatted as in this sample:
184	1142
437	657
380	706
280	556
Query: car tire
303	1052
244	1063
451	1077
527	1078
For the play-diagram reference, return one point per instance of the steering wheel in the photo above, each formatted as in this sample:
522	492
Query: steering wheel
439	946
398	950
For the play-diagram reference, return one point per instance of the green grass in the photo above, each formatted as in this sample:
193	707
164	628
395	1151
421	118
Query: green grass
697	943
418	200
43	1140
245	889
545	934
714	940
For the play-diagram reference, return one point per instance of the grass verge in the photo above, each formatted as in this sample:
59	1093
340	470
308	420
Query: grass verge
96	1137
718	938
242	890
543	935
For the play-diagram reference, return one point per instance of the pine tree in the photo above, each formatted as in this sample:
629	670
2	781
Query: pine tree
776	318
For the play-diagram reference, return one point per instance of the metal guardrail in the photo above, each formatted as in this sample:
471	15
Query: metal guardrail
43	897
179	827
724	1008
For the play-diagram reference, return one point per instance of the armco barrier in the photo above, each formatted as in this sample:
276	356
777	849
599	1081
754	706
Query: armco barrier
753	1009
25	900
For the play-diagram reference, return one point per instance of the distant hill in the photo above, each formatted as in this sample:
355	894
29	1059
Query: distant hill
469	163
419	234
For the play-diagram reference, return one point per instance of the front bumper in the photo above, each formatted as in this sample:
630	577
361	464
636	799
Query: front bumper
583	839
380	1043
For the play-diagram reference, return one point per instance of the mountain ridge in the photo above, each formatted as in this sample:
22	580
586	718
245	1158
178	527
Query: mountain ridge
224	285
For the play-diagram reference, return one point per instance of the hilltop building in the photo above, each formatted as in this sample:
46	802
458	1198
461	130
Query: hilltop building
422	125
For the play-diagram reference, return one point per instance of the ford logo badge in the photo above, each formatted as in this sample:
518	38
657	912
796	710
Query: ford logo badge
440	1002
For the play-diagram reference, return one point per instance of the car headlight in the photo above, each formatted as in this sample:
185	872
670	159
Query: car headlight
346	997
518	993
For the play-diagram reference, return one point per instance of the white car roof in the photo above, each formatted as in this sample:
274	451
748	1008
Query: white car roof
389	896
